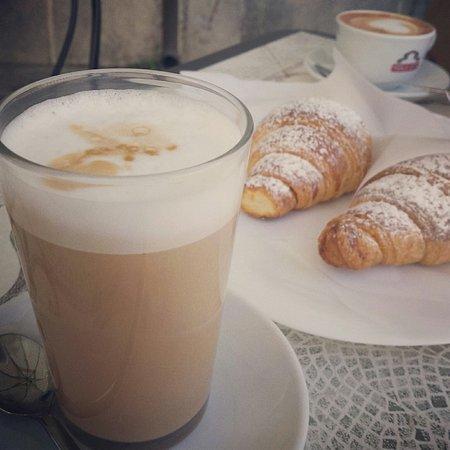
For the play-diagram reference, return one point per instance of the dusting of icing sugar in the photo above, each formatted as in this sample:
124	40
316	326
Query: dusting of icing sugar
389	217
296	136
313	144
291	168
325	109
437	164
426	203
277	188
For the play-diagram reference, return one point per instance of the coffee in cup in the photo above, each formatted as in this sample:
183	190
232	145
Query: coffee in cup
387	48
123	189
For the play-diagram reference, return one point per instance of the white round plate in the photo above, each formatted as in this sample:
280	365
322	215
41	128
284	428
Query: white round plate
258	397
319	63
276	266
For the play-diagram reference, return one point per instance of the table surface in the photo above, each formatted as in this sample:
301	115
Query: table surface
361	396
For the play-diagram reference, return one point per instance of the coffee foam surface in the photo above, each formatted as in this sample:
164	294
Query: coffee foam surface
391	25
386	23
147	214
182	132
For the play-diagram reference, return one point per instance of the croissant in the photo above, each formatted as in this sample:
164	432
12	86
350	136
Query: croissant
400	216
305	153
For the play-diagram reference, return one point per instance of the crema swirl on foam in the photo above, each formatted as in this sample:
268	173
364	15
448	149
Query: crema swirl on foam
121	132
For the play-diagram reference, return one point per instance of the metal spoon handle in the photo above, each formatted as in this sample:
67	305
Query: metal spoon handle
433	90
58	433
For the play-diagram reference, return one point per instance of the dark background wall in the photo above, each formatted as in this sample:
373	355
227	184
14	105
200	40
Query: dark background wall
31	31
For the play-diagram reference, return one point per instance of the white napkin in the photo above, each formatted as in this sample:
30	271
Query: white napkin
276	264
383	113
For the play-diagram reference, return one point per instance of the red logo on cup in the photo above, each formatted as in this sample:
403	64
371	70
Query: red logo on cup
409	61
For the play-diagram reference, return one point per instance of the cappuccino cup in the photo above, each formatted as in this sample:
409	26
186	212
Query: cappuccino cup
387	48
122	187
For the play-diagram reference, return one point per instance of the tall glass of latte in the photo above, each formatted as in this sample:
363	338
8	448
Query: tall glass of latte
123	187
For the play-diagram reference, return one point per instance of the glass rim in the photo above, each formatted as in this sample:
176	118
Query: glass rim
170	77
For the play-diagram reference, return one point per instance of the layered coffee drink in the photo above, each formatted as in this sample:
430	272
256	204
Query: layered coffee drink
386	23
126	248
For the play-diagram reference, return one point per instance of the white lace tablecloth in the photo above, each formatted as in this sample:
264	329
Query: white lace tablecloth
361	396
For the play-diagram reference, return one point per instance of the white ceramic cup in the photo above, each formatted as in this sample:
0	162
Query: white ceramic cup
387	60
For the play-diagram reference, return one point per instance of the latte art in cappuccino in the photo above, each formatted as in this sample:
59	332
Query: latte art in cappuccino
386	23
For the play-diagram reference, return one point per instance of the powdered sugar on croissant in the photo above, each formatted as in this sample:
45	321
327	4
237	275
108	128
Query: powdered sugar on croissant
400	216
318	148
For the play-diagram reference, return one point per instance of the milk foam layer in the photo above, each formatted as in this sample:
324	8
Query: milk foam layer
138	215
392	25
386	23
184	132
